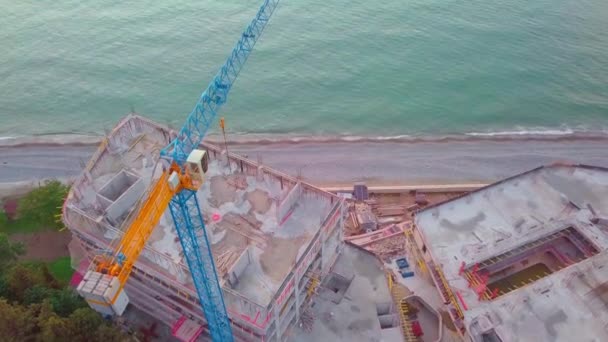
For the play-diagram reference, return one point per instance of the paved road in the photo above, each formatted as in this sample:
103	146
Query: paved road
324	163
36	162
421	162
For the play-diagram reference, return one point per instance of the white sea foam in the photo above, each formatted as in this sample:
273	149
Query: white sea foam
262	139
50	139
537	131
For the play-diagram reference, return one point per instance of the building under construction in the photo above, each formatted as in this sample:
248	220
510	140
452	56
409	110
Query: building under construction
523	259
274	238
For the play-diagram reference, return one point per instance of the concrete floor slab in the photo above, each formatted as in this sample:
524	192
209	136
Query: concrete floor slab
355	318
498	221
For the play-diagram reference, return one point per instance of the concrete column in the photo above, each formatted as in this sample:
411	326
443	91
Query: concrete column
322	253
297	298
277	327
225	161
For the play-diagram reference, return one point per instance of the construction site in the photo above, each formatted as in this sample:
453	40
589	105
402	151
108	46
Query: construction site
519	259
273	238
276	242
218	247
522	259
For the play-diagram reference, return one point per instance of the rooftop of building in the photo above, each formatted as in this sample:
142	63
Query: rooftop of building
358	313
505	225
257	237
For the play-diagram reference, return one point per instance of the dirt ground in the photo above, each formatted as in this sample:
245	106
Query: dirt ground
408	199
221	191
278	268
260	201
44	246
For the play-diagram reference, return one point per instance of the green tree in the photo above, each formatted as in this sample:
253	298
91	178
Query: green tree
43	204
9	252
39	322
20	278
82	323
66	301
49	279
23	276
106	333
4	288
51	327
36	294
16	323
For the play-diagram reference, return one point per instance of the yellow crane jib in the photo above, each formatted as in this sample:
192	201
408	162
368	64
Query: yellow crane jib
102	286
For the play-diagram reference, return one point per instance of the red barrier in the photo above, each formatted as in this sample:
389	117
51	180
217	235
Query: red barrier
464	305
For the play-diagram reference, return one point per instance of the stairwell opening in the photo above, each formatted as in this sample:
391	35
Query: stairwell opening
386	315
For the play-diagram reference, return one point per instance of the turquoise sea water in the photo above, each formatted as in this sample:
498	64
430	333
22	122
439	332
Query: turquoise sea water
331	67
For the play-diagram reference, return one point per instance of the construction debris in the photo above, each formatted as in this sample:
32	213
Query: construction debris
421	199
389	210
225	260
366	220
388	249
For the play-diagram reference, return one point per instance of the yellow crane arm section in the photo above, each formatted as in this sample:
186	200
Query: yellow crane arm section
137	233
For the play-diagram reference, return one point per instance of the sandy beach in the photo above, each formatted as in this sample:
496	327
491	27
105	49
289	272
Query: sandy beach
337	163
423	162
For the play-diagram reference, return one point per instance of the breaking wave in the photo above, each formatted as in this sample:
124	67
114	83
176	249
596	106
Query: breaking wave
269	139
531	134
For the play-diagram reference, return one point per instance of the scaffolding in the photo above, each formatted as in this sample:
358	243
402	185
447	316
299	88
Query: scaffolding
454	309
398	294
479	283
413	248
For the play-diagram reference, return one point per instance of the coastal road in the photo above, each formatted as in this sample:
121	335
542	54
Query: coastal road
343	163
423	162
26	163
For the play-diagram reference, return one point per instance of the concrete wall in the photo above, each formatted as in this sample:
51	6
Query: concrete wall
333	234
246	313
287	204
117	185
319	256
239	267
126	201
130	126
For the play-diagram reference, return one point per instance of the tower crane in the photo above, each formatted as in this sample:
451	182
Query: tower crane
176	188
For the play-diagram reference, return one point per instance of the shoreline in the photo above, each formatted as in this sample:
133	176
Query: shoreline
333	164
68	139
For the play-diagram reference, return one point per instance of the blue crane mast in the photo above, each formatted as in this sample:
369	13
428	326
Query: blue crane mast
184	206
193	131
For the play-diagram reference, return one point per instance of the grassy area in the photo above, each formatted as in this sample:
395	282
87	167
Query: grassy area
36	211
61	269
20	225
